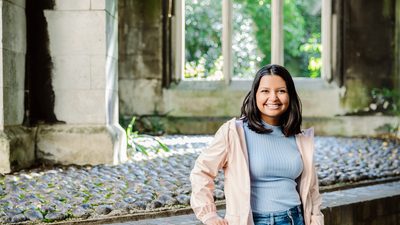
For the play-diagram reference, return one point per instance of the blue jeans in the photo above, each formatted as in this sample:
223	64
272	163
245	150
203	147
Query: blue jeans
292	216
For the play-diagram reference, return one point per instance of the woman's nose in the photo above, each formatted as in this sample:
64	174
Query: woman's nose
273	96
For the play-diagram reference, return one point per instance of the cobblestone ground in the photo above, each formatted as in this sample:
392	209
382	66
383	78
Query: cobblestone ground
159	181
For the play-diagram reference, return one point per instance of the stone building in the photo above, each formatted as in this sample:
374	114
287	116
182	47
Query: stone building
71	68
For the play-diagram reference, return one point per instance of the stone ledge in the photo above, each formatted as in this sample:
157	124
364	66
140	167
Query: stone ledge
349	126
81	144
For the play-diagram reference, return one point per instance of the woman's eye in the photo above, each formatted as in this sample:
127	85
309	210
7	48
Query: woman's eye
282	91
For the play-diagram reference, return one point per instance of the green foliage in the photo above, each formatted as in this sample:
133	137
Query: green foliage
135	140
252	38
385	100
21	196
108	195
390	131
203	37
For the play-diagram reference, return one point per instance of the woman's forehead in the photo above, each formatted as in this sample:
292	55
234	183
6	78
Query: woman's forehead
272	81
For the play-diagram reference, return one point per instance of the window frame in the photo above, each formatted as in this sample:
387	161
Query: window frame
277	41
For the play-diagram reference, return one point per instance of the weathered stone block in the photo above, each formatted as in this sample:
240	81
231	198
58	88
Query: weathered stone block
98	4
5	165
87	35
73	144
1	70
98	69
140	96
140	13
13	110
72	5
16	148
71	72
357	96
313	94
127	68
104	73
351	125
151	42
20	3
189	100
13	27
2	109
130	41
141	66
12	84
13	69
80	106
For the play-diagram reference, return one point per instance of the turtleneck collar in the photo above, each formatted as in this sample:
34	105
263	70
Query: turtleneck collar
275	129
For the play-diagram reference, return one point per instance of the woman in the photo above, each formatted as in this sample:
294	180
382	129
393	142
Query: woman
267	160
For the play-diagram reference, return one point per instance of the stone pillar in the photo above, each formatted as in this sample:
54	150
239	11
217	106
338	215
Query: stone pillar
83	37
16	141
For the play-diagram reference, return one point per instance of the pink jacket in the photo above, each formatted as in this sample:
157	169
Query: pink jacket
228	152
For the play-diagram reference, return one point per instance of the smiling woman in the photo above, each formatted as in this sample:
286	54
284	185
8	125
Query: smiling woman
263	154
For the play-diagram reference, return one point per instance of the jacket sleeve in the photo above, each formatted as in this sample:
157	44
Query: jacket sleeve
204	172
317	218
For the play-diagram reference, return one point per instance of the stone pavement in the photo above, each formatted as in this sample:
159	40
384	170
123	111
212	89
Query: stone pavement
160	181
329	199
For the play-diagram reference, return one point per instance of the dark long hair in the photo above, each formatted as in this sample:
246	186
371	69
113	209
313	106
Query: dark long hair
290	121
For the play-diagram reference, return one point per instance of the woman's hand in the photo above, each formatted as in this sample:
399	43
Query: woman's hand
216	221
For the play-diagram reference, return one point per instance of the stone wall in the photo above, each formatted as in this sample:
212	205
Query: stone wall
140	57
384	211
368	45
16	141
365	56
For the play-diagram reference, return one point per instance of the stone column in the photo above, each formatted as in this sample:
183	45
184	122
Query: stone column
83	36
16	141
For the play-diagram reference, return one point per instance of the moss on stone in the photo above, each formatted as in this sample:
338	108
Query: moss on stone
357	96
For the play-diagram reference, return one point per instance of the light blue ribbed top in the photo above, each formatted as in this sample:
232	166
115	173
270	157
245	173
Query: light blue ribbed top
274	163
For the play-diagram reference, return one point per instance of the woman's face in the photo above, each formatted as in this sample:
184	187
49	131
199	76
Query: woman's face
272	98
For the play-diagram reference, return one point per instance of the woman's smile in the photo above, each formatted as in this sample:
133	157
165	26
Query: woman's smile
273	106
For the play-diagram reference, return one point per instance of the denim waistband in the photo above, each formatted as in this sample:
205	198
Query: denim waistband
291	211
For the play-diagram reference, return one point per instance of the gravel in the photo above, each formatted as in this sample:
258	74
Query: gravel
159	181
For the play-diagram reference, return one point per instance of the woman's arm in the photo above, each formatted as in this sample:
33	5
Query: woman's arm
203	174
